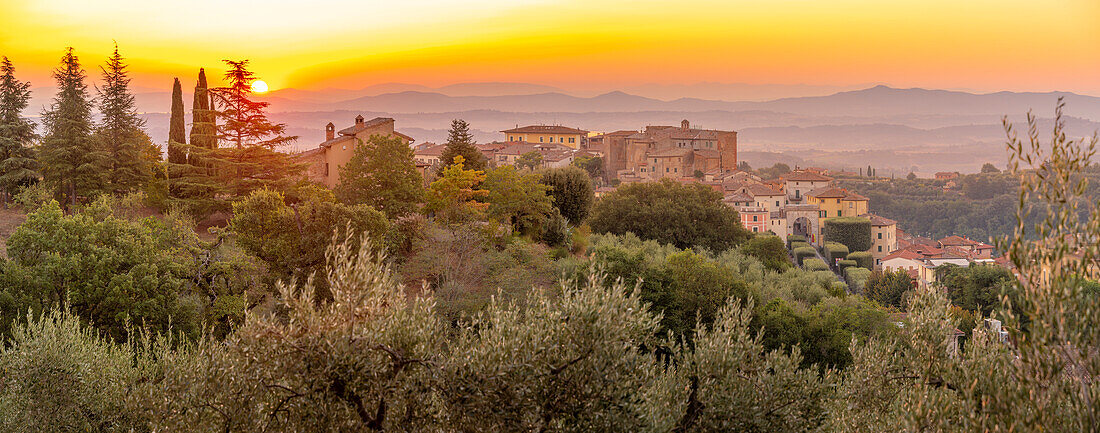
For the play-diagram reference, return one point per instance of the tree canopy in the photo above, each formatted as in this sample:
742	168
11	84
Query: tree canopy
381	173
669	212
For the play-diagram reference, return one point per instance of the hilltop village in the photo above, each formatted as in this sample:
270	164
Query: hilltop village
796	206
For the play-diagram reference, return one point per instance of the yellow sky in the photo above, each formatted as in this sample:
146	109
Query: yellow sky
985	45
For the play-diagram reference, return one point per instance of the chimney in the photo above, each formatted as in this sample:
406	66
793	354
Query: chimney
685	125
359	119
330	131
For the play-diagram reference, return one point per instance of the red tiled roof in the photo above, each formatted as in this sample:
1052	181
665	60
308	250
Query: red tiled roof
545	129
905	254
854	197
878	221
758	189
358	127
954	240
828	193
806	176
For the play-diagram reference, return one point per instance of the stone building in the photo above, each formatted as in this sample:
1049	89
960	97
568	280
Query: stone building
324	162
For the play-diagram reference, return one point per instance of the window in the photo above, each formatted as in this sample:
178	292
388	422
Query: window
822	214
838	212
326	169
675	170
880	236
754	228
838	201
666	169
571	139
777	202
561	139
880	248
754	218
511	138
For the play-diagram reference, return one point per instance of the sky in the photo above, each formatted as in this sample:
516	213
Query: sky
980	45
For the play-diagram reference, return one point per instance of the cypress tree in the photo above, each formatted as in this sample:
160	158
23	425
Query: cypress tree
177	134
18	167
461	142
203	130
120	135
68	155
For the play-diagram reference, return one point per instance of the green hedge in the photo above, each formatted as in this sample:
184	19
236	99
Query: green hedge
841	265
857	278
799	244
853	232
863	259
791	239
815	264
803	253
838	288
835	251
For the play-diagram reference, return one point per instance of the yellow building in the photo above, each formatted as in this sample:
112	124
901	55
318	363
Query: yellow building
837	202
566	136
324	162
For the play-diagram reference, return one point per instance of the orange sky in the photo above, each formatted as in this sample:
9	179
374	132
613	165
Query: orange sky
985	45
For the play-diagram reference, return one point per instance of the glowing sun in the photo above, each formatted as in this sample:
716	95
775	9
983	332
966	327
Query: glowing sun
259	86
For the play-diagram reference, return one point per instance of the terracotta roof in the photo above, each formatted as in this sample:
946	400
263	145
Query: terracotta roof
410	139
758	189
329	143
828	193
854	197
954	240
904	254
431	150
737	197
359	127
878	221
806	176
545	129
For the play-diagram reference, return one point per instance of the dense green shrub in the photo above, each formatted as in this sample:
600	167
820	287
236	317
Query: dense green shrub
863	259
857	278
769	250
803	253
686	216
814	264
853	232
835	251
799	244
846	263
794	238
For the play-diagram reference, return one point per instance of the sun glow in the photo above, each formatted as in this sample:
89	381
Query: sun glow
259	86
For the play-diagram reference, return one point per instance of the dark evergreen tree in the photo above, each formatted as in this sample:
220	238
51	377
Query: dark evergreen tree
204	133
18	166
120	135
177	134
460	142
68	155
250	161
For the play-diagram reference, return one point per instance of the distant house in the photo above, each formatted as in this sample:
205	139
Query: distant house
546	134
947	175
428	153
974	249
323	163
884	236
553	155
798	183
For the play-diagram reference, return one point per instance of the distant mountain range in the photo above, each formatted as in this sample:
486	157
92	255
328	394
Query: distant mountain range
939	129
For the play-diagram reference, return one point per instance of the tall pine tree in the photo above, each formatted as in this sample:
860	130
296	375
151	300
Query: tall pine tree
18	166
119	134
177	133
250	160
69	157
461	142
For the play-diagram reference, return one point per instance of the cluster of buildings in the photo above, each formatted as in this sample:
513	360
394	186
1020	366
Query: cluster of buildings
921	256
797	203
